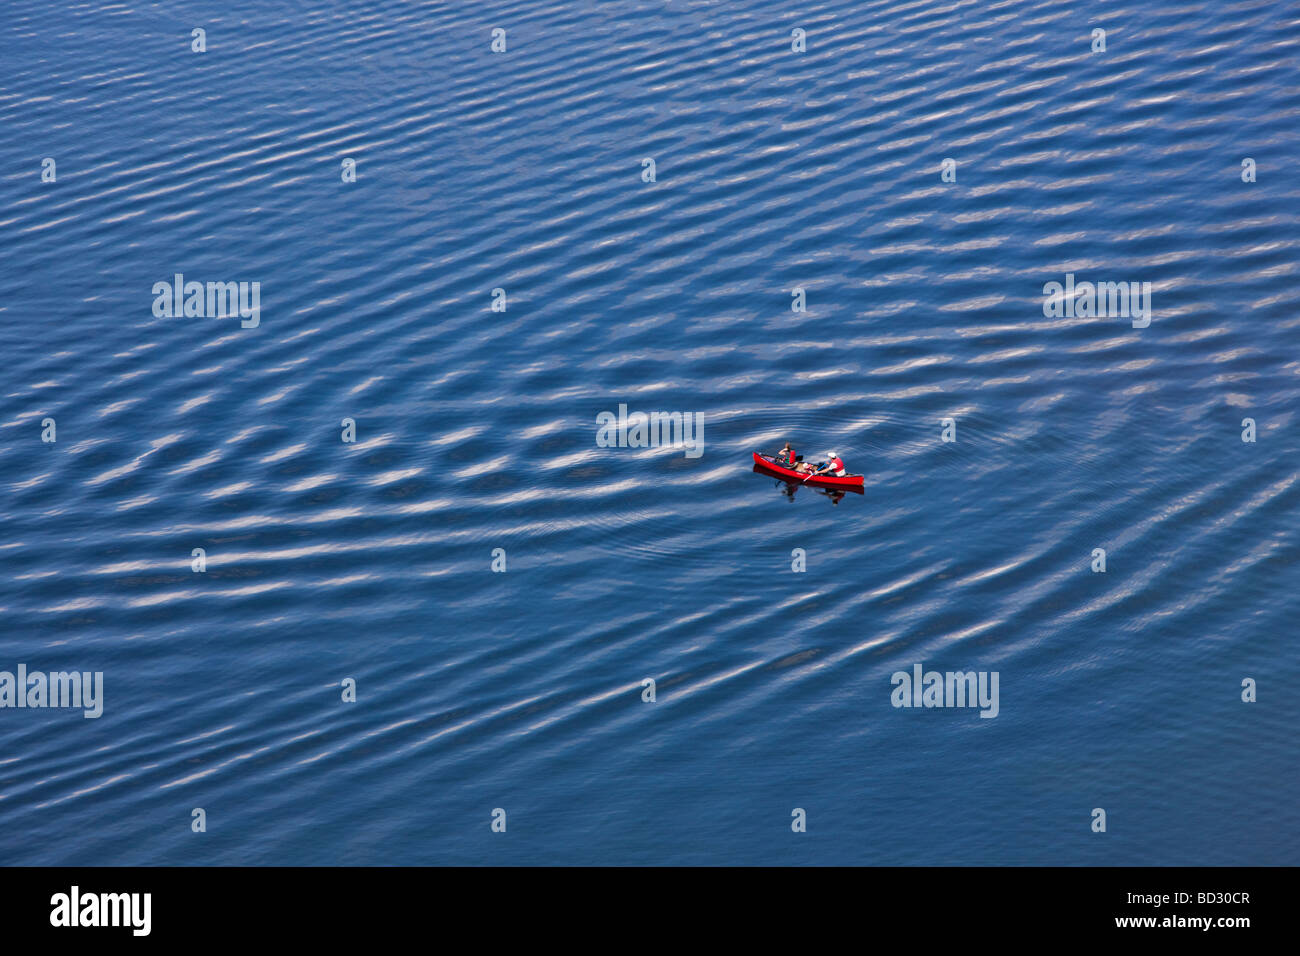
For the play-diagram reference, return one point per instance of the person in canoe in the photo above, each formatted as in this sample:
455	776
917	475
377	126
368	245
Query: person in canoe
786	456
833	466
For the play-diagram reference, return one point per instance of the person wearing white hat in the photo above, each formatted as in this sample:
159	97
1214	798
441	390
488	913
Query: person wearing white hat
833	465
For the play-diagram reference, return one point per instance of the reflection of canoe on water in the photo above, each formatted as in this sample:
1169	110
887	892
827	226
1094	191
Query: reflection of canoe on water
767	463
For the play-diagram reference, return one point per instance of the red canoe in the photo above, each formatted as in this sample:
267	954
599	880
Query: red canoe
769	465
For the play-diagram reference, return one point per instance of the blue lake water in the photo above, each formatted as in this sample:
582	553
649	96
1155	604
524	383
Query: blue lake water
476	430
